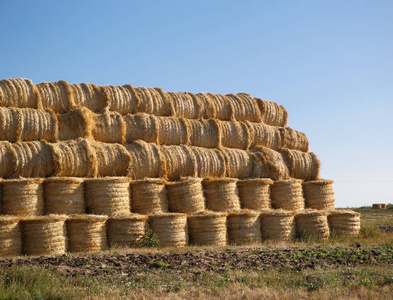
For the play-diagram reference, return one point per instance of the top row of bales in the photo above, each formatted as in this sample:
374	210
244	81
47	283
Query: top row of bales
62	97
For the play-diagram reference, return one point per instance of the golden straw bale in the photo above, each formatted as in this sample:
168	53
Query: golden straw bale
287	194
179	161
123	99
126	231
76	123
109	128
319	194
272	113
19	92
207	108
255	193
153	101
108	196
345	222
74	158
112	159
86	233
245	108
141	126
301	165
209	162
221	194
185	105
278	225
268	164
90	96
203	133
22	197
56	96
239	163
32	159
234	134
7	159
149	196
64	195
292	139
264	135
146	160
10	236
186	195
171	131
10	124
244	227
170	228
45	235
208	228
312	222
222	106
377	206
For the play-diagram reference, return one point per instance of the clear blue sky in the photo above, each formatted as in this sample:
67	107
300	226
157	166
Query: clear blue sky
330	63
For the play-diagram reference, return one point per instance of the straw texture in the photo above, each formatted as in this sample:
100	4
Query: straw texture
293	139
255	193
301	165
19	92
149	196
109	128
123	99
7	159
56	96
153	101
244	227
90	96
203	133
10	236
171	229
379	206
221	194
319	194
238	163
245	107
234	135
76	123
179	161
185	105
278	225
345	222
141	126
208	228
111	159
172	131
268	163
264	135
126	231
209	162
287	194
272	113
207	108
222	107
313	223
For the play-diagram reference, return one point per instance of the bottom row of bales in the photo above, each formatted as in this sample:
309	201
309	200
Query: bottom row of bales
57	234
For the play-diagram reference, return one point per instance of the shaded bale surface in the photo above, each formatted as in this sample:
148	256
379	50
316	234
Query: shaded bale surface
244	227
208	228
312	223
268	163
90	96
149	196
301	165
278	225
207	108
7	159
344	222
172	131
203	133
76	123
123	99
238	163
185	105
111	159
234	135
287	194
19	92
272	113
250	109
209	162
10	236
222	107
319	194
221	194
264	135
293	139
170	228
109	128
179	161
57	96
153	101
126	231
255	193
141	126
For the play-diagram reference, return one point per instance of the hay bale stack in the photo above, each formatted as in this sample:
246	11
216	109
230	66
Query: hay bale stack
278	225
287	194
123	99
186	195
146	160
222	106
141	126
22	197
7	159
90	96
379	206
268	163
56	96
293	139
208	228
244	108
209	162
64	195
171	229
238	163
344	222
172	131
179	161
76	123
109	128
313	223
203	133
45	235
10	236
264	135
234	135
272	113
207	109
153	101
301	165
244	227
108	196
149	196
74	158
185	105
319	194
221	194
255	193
86	233
10	124
19	92
126	231
112	159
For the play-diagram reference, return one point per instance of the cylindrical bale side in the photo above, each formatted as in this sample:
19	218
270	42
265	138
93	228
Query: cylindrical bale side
7	160
149	196
109	127
10	236
19	92
268	163
76	123
272	113
312	223
221	194
208	110
185	105
123	99
301	165
255	193
263	135
251	110
56	96
240	111
222	106
278	225
179	161
293	139
344	222
171	229
238	163
203	133
319	194
10	124
153	101
171	131
244	227
208	228
234	135
90	96
287	194
126	231
209	162
141	126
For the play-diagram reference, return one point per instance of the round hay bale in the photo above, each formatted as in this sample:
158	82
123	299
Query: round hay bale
268	163
344	222
292	139
377	206
319	194
74	158
186	195
64	195
287	194
222	106
179	161
209	162
109	128
126	231
146	160
255	193
208	228
22	197
45	235
264	135
10	124
301	165
76	123
313	223
238	163
207	109
185	105
90	96
10	236
171	229
234	135
245	108
86	233
141	126
56	96
272	113
108	196
203	133
7	159
244	227
112	159
19	92
171	131
123	99
149	196
278	225
153	101
221	194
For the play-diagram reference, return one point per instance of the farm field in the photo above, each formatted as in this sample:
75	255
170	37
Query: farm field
343	268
